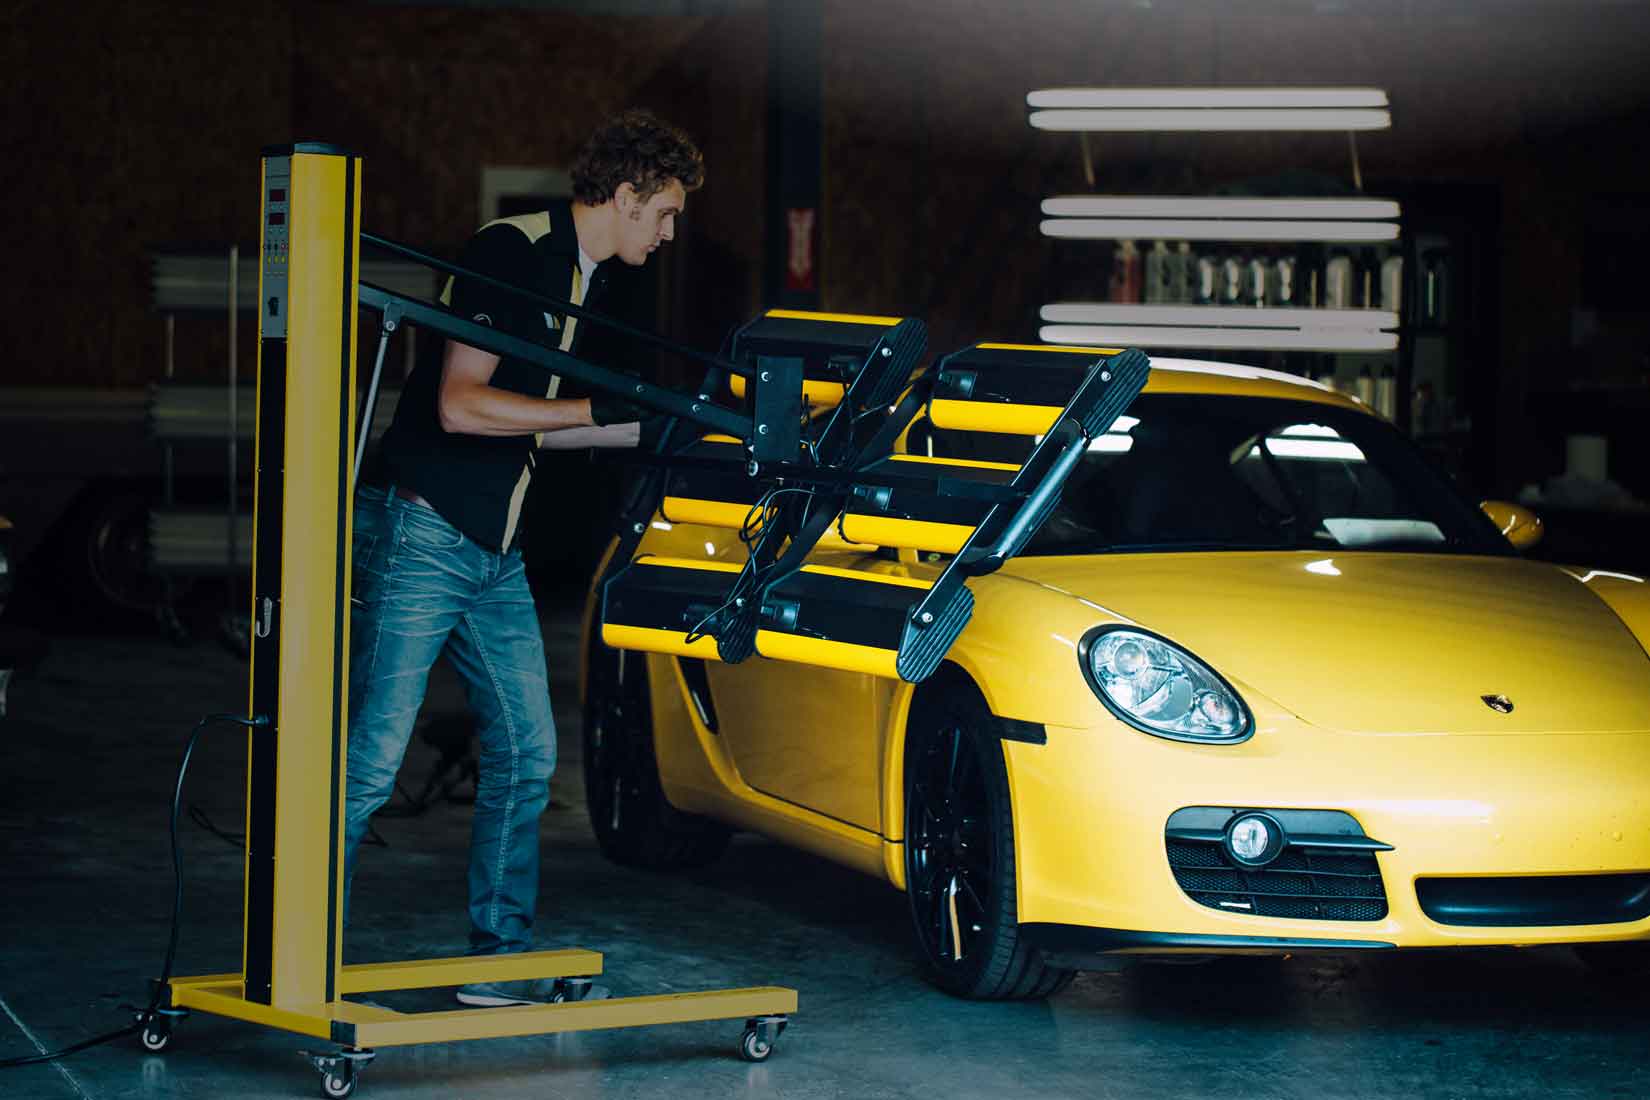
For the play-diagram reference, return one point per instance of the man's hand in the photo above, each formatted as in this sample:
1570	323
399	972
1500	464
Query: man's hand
606	409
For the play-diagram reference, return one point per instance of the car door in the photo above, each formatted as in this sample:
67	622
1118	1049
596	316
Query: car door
811	736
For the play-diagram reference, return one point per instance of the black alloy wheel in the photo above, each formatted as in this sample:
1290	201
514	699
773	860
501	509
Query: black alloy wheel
959	850
634	823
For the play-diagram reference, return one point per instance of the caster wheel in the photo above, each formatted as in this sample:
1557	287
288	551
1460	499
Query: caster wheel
754	1048
571	989
155	1037
338	1083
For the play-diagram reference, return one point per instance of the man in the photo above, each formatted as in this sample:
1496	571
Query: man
437	565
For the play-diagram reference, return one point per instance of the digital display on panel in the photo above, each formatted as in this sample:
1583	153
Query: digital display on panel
277	194
277	218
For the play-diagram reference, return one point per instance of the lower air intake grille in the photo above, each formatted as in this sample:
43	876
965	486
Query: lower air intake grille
1326	880
1535	900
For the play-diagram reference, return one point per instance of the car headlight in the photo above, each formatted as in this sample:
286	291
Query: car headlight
1159	688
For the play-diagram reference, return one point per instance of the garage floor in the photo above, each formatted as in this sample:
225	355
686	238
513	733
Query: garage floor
87	761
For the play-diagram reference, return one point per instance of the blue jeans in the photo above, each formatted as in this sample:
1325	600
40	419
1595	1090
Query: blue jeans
421	588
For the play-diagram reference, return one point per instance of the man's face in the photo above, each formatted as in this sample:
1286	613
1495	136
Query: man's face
644	226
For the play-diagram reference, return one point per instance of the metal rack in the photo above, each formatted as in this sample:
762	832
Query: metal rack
1354	220
188	542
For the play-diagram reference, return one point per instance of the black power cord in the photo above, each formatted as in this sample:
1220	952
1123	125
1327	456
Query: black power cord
147	1015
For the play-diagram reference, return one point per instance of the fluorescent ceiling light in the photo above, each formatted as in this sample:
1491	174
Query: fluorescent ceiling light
1205	97
1260	339
1176	206
1316	431
1217	229
1148	120
1246	317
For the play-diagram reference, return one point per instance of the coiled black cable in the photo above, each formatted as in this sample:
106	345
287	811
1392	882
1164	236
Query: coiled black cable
147	1015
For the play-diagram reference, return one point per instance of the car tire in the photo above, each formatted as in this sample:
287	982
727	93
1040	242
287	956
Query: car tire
959	851
634	823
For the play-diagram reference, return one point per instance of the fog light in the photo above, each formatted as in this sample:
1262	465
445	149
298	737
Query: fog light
1254	839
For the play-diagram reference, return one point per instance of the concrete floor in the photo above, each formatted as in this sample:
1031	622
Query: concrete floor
87	761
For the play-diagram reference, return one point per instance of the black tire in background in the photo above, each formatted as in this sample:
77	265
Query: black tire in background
634	824
959	850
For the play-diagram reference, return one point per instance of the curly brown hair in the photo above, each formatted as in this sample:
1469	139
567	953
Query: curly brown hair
637	148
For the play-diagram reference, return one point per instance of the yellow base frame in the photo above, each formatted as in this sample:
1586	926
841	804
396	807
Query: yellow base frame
362	1026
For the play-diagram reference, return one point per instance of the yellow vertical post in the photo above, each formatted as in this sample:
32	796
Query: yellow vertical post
300	585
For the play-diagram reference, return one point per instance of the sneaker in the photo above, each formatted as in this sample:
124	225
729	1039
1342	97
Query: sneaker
541	991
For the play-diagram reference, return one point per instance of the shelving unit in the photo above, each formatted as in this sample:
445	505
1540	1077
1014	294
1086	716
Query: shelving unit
1355	221
186	541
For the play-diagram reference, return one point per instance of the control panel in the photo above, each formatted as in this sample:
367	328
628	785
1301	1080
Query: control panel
272	305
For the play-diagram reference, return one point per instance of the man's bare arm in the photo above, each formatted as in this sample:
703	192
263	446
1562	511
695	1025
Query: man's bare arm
610	435
467	405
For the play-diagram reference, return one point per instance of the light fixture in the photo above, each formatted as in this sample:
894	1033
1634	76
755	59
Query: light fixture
1254	840
1208	109
1158	98
1117	217
1197	206
1248	317
1188	336
1232	229
1209	120
1229	327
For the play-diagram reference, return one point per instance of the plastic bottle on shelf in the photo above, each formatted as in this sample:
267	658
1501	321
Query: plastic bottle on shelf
1386	393
1157	273
1368	290
1256	284
1206	285
1392	283
1337	281
1282	289
1183	273
1231	280
1125	273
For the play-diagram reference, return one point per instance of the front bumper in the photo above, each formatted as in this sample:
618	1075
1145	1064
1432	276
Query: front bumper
1091	806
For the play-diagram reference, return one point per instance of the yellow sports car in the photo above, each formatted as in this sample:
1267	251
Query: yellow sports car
1263	682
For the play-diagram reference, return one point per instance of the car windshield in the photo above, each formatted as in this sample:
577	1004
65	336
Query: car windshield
1183	472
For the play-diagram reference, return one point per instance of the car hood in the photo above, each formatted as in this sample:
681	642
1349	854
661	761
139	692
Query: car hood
1383	643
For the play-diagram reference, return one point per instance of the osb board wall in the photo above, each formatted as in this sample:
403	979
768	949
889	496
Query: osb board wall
135	124
124	122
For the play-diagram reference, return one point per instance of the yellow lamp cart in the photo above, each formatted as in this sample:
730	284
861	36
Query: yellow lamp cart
292	974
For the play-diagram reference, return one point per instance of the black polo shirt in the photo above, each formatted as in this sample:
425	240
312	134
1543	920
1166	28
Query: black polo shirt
476	482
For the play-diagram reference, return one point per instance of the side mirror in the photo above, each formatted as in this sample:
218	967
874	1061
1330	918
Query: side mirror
1521	526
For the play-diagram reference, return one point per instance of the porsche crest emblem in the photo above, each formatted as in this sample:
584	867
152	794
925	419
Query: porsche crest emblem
1498	703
